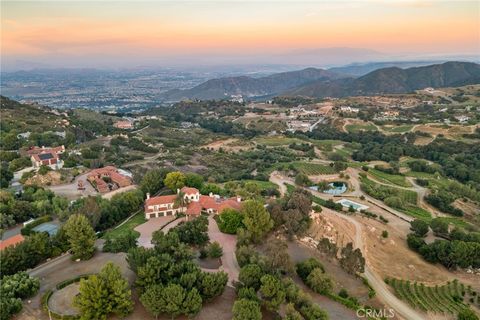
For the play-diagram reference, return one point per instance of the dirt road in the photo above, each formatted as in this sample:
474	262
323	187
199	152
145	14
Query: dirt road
228	243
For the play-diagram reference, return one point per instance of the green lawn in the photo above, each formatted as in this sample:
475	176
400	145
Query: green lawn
417	213
352	128
138	219
276	141
263	185
381	176
326	145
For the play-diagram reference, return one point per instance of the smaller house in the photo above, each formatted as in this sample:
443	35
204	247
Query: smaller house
123	124
46	156
108	178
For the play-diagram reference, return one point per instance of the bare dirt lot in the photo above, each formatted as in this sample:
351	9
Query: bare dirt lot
231	144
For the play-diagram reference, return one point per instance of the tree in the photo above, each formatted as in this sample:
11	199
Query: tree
319	282
439	226
150	301
105	293
272	292
81	237
171	299
212	284
250	276
122	243
277	257
352	260
13	289
152	181
291	313
244	309
305	267
230	221
174	180
302	180
6	175
385	234
419	227
214	250
194	180
192	303
256	219
327	247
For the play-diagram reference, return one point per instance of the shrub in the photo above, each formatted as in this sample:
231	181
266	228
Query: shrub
305	267
214	250
319	281
229	221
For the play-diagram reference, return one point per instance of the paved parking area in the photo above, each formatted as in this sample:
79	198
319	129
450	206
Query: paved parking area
146	229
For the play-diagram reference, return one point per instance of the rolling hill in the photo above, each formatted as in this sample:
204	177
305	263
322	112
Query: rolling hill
252	87
395	80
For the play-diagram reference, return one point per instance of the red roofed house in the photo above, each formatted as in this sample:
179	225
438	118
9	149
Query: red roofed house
46	156
11	241
97	178
196	203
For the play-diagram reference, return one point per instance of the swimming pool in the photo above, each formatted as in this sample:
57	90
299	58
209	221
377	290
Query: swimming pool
336	188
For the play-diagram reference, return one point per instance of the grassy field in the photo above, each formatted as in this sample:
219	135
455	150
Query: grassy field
277	141
398	129
382	192
326	145
449	298
396	179
311	169
417	213
352	128
138	219
263	185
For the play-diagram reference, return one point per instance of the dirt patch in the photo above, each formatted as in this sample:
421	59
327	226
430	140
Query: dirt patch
51	178
231	144
209	263
61	301
450	132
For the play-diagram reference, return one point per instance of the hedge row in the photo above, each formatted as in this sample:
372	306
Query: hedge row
27	230
65	283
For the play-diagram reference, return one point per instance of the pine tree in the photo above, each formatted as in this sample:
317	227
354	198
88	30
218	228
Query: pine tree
81	236
105	293
192	303
256	219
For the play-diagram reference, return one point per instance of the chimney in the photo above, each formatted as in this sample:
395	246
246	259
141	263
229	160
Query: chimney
210	194
178	191
148	195
239	199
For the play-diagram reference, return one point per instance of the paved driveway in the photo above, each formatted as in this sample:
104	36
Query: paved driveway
146	229
228	243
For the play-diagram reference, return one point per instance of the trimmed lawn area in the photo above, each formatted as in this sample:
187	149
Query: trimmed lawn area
277	141
381	176
352	128
263	185
417	213
136	220
326	145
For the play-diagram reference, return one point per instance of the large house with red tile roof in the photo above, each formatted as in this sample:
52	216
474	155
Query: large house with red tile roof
107	179
46	156
193	204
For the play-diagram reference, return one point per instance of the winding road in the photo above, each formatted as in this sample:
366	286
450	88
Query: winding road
402	309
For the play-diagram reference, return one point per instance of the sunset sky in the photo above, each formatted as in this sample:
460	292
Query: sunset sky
113	33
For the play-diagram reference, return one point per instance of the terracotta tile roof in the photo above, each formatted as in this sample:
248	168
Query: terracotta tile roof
189	190
11	241
160	200
194	208
230	204
208	202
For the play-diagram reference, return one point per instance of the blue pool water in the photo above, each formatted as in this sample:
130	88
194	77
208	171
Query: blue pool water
336	188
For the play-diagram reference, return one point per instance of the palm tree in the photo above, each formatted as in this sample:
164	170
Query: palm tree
180	201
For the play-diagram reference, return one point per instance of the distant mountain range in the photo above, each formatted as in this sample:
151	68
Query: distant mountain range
314	82
253	87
